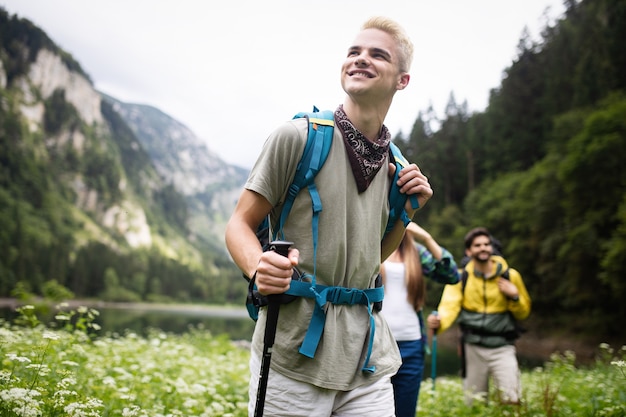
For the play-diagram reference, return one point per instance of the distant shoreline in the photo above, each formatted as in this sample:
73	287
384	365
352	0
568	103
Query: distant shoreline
199	309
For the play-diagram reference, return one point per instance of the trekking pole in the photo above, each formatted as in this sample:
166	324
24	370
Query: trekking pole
433	363
273	306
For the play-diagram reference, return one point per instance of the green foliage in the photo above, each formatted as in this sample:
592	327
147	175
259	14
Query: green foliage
80	321
613	263
53	291
22	291
174	206
543	169
561	218
113	291
138	167
58	113
27	317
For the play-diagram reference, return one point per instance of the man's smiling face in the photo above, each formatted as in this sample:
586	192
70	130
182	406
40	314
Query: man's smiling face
372	66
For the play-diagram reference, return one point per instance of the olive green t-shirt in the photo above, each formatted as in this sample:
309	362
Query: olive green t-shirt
351	226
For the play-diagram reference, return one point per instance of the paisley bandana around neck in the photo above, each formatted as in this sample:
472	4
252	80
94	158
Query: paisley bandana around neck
366	158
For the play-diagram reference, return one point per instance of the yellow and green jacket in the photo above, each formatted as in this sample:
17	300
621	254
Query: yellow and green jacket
486	316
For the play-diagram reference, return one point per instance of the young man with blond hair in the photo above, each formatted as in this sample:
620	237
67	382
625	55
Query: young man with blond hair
345	377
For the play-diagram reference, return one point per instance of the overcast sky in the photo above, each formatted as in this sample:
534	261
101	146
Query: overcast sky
233	70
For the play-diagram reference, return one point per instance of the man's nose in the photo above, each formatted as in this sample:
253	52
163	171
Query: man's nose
361	61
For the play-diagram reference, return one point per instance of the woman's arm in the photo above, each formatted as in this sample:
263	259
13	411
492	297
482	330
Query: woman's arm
437	263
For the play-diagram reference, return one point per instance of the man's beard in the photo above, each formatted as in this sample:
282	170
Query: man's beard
482	258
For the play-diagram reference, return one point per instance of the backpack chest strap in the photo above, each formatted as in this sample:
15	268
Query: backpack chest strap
323	294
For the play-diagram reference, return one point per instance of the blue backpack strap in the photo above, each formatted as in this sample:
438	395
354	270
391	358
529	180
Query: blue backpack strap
319	140
323	294
397	200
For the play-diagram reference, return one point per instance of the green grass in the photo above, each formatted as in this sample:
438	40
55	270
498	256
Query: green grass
63	370
558	388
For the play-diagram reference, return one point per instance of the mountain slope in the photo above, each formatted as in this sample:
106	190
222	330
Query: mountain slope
210	185
86	199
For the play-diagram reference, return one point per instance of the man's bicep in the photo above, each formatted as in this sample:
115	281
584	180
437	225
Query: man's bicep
251	209
240	237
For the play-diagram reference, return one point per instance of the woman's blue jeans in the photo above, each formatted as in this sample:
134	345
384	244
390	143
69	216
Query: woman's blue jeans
406	383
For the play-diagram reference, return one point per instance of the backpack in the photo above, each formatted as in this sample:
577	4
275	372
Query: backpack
319	141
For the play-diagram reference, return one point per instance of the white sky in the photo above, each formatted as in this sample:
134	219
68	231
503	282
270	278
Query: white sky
233	70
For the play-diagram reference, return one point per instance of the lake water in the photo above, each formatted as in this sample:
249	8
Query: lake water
233	322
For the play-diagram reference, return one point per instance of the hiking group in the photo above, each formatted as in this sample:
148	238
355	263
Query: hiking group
320	346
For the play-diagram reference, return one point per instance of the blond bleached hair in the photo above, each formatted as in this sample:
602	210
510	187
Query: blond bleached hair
397	32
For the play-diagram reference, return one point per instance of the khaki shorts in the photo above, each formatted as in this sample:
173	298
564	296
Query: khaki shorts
500	363
288	397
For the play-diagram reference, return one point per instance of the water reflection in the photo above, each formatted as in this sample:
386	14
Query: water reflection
177	322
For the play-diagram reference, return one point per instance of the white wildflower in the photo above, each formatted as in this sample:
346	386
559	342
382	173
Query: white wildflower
14	357
5	376
88	409
22	401
66	382
190	403
133	411
50	335
109	380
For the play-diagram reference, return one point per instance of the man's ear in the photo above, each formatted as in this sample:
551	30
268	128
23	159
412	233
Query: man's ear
403	81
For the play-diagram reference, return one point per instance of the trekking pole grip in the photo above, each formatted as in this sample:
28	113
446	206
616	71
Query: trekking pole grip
282	248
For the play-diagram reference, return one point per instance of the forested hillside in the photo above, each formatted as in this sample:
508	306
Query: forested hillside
543	168
84	208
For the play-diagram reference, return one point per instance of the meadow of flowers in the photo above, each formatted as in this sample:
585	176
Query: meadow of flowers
66	369
67	372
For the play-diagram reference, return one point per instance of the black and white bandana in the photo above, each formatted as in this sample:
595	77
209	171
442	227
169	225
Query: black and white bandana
366	157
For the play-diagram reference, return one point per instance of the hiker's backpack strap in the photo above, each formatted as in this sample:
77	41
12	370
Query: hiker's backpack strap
319	140
323	294
397	200
465	274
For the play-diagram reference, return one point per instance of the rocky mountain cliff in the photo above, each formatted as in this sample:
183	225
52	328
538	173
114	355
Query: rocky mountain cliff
210	185
98	194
